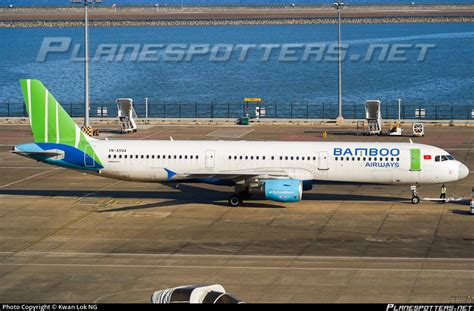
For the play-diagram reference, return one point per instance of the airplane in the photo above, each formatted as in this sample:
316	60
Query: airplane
280	170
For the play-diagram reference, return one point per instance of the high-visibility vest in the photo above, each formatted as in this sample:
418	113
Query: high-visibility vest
443	190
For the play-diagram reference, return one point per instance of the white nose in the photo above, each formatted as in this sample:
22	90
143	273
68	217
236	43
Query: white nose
463	171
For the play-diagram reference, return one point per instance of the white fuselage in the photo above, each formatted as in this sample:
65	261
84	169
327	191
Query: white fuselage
386	163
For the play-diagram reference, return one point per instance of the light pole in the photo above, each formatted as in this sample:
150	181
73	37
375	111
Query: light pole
338	6
86	128
86	65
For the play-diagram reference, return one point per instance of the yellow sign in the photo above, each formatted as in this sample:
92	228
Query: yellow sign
250	99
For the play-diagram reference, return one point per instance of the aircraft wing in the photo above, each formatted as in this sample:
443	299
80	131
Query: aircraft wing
239	175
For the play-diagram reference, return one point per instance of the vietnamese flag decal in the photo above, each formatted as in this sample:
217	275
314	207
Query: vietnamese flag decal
427	157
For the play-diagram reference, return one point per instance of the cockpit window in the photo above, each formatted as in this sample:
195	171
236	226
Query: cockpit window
447	157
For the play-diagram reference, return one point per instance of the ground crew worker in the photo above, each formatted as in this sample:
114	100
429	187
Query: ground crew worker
443	193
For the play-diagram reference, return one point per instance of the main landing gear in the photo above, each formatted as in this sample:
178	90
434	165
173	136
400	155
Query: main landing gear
238	198
415	199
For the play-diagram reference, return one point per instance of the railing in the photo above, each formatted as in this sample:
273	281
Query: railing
296	110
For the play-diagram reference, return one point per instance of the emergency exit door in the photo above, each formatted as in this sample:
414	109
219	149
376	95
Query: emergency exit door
323	160
210	158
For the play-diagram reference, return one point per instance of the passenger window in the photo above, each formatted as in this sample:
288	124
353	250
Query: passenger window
358	158
273	158
334	158
110	156
147	156
158	156
115	156
240	157
185	157
281	158
353	158
197	157
263	158
291	158
230	157
251	157
314	158
180	157
191	157
246	157
120	156
257	157
286	158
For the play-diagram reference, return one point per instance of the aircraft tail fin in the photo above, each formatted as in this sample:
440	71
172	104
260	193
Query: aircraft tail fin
50	123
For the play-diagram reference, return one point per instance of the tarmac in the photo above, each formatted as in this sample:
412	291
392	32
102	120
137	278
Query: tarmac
70	237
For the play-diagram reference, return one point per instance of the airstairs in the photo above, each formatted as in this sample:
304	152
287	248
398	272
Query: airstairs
126	115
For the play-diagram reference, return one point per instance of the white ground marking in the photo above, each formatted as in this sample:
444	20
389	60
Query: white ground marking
230	133
227	266
150	135
29	177
26	167
232	256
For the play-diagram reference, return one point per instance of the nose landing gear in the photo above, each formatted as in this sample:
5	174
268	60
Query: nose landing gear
415	199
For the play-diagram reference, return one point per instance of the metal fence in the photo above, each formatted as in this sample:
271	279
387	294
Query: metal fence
289	110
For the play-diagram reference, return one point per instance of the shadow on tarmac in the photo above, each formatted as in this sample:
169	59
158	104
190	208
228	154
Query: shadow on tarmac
186	194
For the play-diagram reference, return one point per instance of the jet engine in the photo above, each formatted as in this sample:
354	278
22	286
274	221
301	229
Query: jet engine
283	190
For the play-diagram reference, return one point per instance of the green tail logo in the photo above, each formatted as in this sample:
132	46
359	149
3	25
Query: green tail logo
49	122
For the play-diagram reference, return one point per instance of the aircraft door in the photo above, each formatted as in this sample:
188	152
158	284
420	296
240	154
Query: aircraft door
210	158
415	160
88	161
323	160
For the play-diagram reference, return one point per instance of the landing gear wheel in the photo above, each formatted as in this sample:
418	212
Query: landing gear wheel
235	200
415	200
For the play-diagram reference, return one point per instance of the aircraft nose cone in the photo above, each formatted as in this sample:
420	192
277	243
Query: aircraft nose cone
463	171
